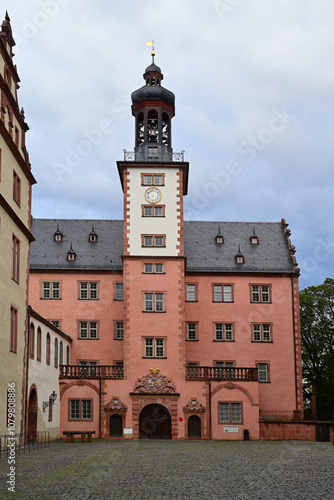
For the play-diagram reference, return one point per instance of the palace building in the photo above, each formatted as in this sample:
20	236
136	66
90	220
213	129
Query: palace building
180	329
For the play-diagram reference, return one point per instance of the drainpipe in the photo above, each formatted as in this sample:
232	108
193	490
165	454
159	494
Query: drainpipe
210	421
100	382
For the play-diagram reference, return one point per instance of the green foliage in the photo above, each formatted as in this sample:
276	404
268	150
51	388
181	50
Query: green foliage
317	337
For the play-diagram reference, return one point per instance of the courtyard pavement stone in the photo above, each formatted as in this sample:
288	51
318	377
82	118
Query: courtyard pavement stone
166	470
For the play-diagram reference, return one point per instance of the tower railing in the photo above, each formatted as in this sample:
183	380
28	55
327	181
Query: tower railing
131	156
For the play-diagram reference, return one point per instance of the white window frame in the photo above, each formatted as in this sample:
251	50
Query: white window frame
191	292
88	330
51	290
224	332
154	302
87	290
192	331
260	294
154	347
261	332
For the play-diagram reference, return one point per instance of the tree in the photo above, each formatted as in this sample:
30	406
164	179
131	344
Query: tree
317	338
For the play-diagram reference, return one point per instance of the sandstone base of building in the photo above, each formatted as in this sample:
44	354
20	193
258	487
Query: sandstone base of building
286	431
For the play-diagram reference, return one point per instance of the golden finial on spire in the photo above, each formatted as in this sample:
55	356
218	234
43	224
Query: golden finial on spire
151	44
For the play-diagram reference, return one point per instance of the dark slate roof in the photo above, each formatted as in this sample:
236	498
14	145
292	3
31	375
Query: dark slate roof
153	92
104	254
202	252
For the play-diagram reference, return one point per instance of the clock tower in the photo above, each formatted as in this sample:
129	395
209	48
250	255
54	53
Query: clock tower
154	180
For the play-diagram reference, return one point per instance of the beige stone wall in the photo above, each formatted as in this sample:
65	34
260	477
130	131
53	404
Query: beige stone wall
11	294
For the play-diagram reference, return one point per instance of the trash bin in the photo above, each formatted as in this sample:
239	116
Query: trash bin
246	435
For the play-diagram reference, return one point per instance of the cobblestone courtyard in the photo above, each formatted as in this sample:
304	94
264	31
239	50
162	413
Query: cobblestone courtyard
174	469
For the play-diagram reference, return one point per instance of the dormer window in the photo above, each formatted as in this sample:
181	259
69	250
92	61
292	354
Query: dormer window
254	240
239	258
71	255
219	238
58	235
92	236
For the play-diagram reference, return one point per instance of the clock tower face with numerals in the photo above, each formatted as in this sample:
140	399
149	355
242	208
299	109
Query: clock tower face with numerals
153	195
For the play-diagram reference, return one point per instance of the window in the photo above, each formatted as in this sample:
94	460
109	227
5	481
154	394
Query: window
154	302
56	354
16	188
191	293
48	344
74	409
120	368
239	259
81	409
71	255
224	332
154	348
153	179
39	344
13	330
191	331
51	290
263	372
230	413
67	355
222	293
154	240
31	342
61	353
15	259
88	330
254	240
224	369
191	369
260	293
88	368
153	211
151	268
55	322
261	333
88	290
118	291
119	330
17	137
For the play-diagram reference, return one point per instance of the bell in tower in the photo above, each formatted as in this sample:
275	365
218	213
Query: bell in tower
153	107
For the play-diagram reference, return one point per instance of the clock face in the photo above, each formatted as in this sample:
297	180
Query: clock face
153	195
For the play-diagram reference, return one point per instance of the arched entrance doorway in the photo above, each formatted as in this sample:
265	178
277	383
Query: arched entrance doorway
115	426
194	427
155	422
32	416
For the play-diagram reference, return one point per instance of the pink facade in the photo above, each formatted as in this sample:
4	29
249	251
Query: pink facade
180	329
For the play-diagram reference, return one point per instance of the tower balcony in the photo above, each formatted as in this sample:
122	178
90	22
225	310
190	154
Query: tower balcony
153	153
214	373
91	372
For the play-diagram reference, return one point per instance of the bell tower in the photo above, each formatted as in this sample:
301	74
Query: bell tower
153	107
154	178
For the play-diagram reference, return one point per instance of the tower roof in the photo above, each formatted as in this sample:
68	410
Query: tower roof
153	88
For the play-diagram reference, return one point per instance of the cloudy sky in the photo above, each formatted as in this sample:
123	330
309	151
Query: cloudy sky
254	86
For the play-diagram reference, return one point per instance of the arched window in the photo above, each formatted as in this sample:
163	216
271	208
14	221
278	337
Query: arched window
39	344
31	341
48	349
152	126
140	128
67	355
56	354
165	129
61	353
